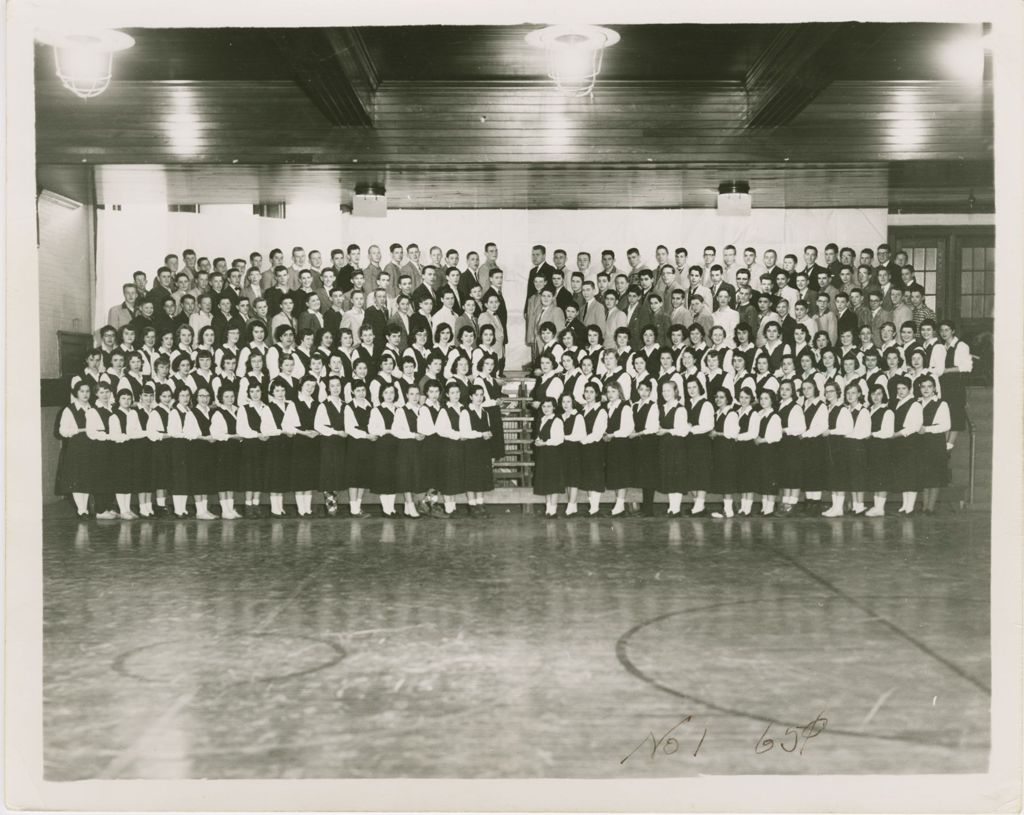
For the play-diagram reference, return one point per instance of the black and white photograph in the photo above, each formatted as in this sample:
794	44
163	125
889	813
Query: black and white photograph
429	396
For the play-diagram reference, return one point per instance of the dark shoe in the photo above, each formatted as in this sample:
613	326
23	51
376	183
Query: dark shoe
361	515
783	510
482	511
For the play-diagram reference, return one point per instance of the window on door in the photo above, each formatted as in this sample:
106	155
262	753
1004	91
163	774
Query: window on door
977	282
925	260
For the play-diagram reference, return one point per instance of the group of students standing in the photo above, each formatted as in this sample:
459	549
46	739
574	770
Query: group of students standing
774	413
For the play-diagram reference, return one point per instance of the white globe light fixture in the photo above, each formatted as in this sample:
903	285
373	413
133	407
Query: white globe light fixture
84	60
573	54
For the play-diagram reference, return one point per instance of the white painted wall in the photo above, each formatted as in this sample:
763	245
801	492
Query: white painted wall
138	237
66	274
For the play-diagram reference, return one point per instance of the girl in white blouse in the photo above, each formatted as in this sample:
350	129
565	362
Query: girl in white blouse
839	427
592	447
907	420
857	445
673	428
879	448
931	457
766	445
255	425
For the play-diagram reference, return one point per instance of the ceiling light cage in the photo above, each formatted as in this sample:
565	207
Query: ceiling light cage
573	54
85	60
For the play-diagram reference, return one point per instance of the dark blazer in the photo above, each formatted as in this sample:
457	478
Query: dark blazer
156	296
547	270
396	321
502	308
418	321
378	320
729	288
459	299
417	296
848	320
467	281
564	298
812	275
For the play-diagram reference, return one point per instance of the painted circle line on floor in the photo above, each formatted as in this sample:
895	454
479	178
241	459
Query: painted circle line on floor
227	659
626	641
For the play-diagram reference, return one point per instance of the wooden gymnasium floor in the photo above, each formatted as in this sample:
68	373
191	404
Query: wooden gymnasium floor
516	647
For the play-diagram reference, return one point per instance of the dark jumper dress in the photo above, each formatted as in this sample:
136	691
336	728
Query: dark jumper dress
228	475
931	457
837	467
954	391
767	460
360	451
571	451
385	454
723	459
202	457
253	455
452	474
646	473
903	449
619	453
141	455
592	458
73	464
857	459
408	477
277	464
549	463
478	469
813	461
305	452
879	455
671	467
333	473
698	451
787	452
747	479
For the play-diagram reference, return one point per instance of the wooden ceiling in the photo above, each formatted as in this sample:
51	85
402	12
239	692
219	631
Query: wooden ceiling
811	115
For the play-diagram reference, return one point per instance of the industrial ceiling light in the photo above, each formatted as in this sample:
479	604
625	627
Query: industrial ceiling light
734	198
573	54
85	60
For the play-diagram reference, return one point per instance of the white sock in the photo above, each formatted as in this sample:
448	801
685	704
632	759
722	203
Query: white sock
789	500
746	504
698	503
571	507
727	506
179	503
387	503
675	501
880	502
276	503
620	505
813	496
227	505
595	501
81	502
161	498
449	505
767	504
123	503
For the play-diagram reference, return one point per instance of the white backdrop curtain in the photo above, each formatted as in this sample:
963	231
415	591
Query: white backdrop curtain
138	237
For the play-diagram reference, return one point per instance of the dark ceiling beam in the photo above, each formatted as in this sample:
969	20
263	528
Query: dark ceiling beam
799	63
334	69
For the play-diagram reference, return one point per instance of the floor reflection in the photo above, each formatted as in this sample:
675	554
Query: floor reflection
500	649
